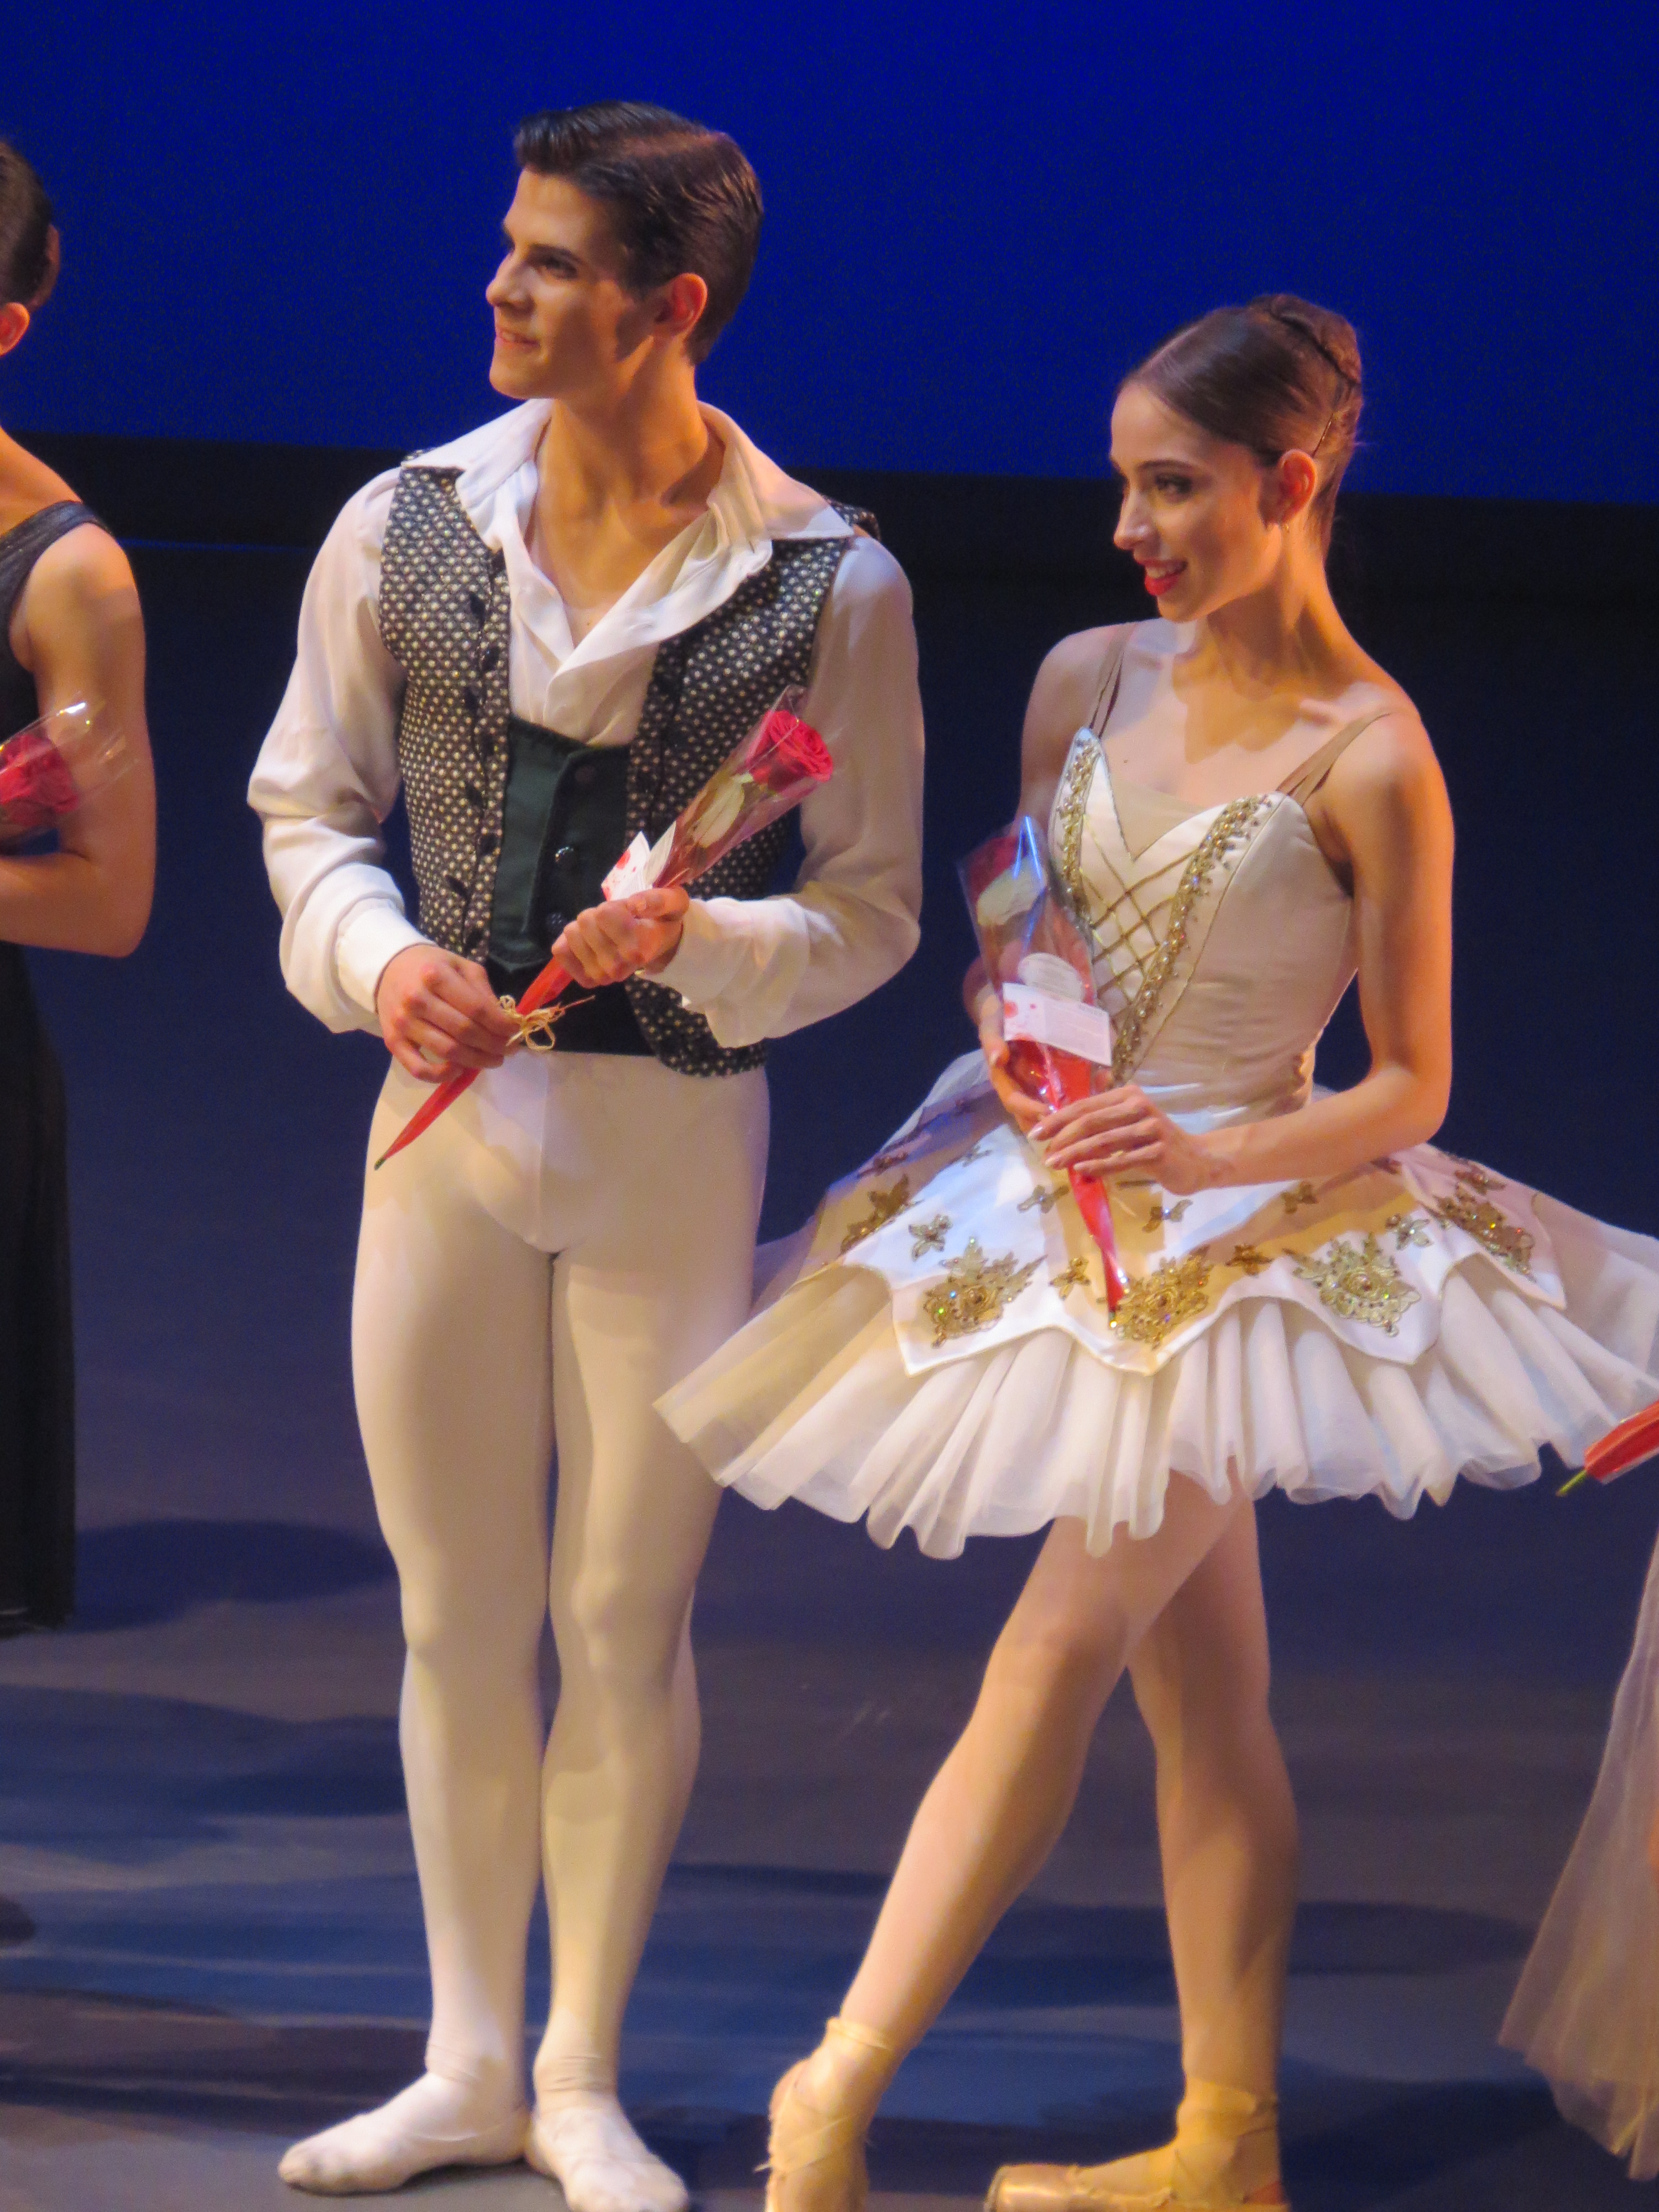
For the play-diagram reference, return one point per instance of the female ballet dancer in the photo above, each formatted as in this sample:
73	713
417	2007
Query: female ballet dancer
69	629
1246	811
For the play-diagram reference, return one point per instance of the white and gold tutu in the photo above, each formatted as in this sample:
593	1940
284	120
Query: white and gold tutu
935	1352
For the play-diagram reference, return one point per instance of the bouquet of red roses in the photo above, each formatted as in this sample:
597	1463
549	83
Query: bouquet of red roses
774	767
51	768
1059	1041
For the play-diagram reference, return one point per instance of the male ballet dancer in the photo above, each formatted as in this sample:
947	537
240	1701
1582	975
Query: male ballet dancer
551	632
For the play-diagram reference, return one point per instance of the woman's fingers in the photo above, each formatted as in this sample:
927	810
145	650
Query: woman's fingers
1138	1143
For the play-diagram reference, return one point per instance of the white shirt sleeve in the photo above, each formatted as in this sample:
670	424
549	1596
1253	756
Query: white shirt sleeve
326	778
759	968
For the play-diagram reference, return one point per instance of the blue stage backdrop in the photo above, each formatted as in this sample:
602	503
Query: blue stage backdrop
279	220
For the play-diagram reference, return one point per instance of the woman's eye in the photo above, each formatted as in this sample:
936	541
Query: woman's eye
1174	487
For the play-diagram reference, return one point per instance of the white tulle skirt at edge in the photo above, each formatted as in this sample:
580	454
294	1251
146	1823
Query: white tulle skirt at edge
813	1400
1586	2011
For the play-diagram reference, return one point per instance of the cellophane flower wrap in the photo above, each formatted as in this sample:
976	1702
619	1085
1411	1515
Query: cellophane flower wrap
777	765
1035	954
50	769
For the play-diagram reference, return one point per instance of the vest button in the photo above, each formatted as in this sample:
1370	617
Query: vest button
471	698
457	886
488	657
585	776
479	604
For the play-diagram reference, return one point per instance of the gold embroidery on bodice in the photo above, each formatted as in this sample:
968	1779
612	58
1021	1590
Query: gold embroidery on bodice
1140	933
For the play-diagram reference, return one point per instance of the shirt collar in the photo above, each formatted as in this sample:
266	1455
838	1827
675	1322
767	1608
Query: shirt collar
753	502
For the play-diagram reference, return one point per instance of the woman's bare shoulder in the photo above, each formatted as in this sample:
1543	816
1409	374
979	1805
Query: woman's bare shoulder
1068	683
84	564
1392	761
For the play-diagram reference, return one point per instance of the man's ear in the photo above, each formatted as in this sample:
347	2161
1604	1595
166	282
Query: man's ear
14	321
1290	486
680	304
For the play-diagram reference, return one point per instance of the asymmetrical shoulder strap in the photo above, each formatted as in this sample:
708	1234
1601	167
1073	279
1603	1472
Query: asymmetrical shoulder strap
1302	783
1111	672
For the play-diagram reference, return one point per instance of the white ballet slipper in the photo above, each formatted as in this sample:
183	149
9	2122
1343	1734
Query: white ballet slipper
434	2122
584	2142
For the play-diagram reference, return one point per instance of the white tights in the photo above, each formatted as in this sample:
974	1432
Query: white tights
1182	1610
571	1239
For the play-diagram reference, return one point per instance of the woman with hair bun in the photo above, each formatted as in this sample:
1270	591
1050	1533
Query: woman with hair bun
1246	812
70	630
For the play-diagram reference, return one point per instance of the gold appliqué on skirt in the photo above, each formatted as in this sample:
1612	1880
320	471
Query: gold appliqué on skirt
885	1206
1361	1283
1158	1304
1504	1239
976	1292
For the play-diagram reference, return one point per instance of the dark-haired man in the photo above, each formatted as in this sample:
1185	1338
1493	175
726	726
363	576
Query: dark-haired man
551	633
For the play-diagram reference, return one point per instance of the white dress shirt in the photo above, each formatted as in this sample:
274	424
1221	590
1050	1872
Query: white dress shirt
327	774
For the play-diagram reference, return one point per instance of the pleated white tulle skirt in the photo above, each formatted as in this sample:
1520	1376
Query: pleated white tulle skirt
1586	2010
1401	1329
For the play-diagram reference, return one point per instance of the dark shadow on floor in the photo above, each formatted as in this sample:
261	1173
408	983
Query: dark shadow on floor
145	1571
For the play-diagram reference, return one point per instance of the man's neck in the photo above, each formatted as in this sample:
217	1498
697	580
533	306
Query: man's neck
646	446
618	482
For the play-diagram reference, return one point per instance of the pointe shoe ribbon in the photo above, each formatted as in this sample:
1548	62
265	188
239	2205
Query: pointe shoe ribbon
802	2136
1225	2158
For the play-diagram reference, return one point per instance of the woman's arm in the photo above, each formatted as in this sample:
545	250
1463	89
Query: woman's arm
1061	700
1383	812
79	632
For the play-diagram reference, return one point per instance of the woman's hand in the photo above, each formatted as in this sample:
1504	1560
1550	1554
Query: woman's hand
622	938
1022	1108
439	1015
1121	1131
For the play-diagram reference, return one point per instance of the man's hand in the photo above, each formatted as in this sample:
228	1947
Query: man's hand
439	1015
622	938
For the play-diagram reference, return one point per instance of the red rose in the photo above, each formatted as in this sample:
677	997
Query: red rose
788	752
36	789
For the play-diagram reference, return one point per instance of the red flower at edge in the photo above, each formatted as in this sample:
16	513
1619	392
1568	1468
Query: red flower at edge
36	789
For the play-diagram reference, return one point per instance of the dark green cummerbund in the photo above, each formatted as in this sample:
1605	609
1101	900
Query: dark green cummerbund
564	824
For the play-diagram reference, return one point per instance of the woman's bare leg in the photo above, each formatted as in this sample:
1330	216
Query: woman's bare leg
1227	1829
1226	1817
995	1810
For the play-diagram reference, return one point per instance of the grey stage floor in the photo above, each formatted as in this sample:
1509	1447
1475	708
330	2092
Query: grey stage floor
209	1936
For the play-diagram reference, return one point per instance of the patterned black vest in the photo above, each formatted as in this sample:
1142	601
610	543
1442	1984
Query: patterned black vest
444	616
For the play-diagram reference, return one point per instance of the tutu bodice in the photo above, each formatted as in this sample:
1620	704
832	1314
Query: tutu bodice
936	1349
1220	950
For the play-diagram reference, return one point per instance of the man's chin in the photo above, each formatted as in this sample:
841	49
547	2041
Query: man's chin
517	376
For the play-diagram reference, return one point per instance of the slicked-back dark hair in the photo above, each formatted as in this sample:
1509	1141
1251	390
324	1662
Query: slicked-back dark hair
1279	376
682	199
25	230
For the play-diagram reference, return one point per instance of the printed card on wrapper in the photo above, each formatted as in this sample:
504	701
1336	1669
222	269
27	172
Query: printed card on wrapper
50	769
1059	1041
780	760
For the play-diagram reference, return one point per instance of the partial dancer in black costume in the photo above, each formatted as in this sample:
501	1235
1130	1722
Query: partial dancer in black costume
69	629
